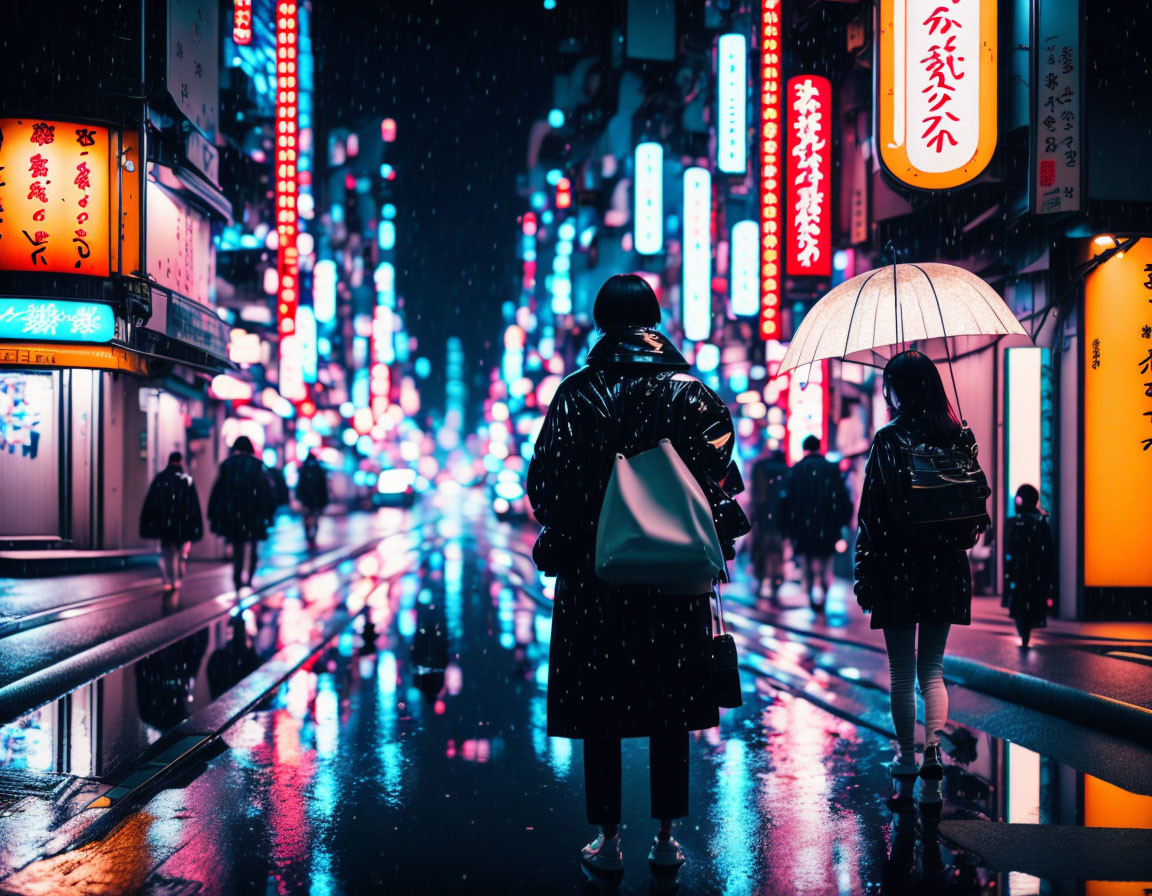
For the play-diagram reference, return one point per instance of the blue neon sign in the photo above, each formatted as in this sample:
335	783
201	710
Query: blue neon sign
56	320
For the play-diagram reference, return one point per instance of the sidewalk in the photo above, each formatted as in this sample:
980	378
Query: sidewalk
54	632
1097	674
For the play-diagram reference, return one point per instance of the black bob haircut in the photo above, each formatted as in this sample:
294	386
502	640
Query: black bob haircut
811	443
626	300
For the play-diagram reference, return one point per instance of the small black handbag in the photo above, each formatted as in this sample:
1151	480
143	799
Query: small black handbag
725	663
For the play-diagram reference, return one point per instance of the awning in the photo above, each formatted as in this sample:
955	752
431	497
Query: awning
57	355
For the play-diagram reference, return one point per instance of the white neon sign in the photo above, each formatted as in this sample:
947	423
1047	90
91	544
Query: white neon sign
732	104
746	268
697	262
648	219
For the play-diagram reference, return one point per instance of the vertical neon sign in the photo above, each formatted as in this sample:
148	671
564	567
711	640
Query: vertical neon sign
287	261
648	220
697	263
745	268
809	168
731	103
770	189
242	22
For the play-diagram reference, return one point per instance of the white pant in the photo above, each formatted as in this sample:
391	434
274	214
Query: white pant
906	665
171	561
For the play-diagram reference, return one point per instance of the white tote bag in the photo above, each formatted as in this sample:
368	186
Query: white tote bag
656	526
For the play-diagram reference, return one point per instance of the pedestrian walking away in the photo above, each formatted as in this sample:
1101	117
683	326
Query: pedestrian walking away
769	474
628	661
912	570
1029	564
312	493
171	515
815	508
241	506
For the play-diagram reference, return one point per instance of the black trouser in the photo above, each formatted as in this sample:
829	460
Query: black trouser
668	776
238	562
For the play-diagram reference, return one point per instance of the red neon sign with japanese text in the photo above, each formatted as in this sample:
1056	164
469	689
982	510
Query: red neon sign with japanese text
771	224
242	22
809	167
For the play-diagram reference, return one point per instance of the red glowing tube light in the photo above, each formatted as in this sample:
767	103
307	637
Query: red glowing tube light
286	124
771	185
242	22
809	169
563	193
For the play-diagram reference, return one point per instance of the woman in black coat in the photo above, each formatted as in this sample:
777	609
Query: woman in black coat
171	514
241	506
906	584
1029	564
627	661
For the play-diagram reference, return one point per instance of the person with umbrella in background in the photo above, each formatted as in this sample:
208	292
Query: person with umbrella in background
815	507
241	506
171	514
1029	564
312	492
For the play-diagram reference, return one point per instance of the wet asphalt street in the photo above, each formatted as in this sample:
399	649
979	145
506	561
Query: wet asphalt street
422	765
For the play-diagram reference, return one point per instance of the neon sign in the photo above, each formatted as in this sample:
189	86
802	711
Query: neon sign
54	197
745	268
936	90
809	168
242	22
324	290
287	261
771	223
55	320
648	220
732	106
697	263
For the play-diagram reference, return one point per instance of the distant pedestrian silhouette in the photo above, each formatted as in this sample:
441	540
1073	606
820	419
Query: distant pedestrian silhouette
815	507
902	579
171	514
628	661
312	493
1029	564
241	506
769	475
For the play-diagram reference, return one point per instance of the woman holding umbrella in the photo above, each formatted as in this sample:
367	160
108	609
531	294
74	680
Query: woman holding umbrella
905	580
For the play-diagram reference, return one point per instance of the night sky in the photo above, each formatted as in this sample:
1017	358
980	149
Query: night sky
464	80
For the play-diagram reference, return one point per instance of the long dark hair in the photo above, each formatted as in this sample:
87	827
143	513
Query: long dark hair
914	390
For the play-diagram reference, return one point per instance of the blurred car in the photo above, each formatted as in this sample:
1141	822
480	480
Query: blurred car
396	488
509	498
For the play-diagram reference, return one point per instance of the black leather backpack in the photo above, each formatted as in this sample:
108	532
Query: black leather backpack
943	494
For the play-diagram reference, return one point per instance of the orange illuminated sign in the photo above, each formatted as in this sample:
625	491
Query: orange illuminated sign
1118	420
936	90
54	213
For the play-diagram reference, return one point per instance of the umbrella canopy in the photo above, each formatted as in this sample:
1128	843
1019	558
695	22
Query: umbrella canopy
938	309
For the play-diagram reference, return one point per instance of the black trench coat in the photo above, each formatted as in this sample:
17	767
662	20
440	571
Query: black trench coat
1029	568
628	661
900	582
243	501
171	509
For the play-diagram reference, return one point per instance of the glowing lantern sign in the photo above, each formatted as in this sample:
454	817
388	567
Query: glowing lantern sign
936	92
697	263
732	105
288	298
809	169
745	268
648	220
54	197
771	223
242	22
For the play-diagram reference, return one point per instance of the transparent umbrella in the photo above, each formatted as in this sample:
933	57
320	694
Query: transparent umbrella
939	309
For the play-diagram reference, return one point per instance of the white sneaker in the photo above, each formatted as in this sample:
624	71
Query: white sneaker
603	856
665	857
